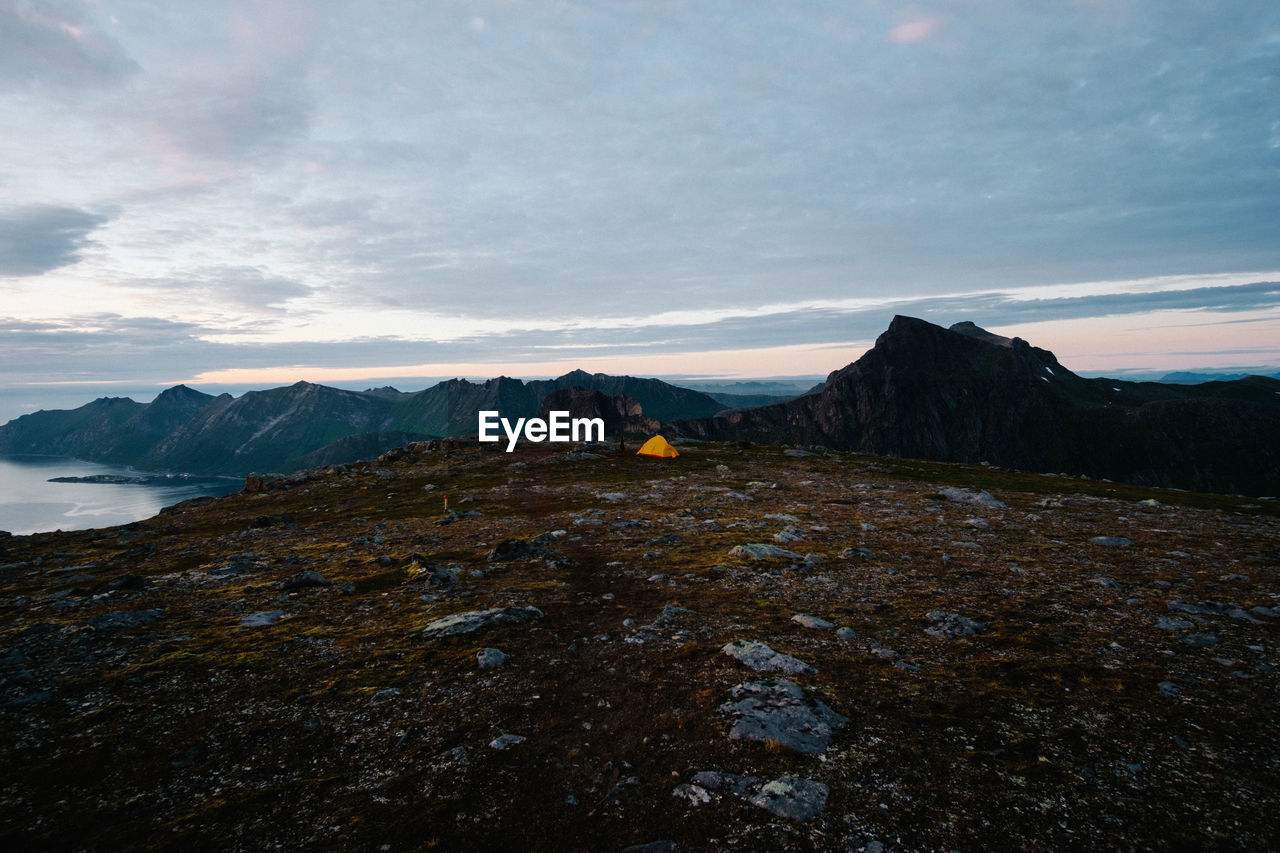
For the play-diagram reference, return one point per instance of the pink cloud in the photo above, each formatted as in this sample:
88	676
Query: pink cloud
916	29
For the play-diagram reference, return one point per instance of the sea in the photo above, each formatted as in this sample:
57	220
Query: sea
29	503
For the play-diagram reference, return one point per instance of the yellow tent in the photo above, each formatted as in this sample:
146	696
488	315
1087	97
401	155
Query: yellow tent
657	446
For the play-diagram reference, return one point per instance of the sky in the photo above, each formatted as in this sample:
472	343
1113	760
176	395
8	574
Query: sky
252	193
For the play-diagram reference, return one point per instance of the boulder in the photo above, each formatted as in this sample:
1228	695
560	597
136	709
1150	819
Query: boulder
475	620
761	658
951	625
308	578
762	551
264	617
792	797
779	712
977	497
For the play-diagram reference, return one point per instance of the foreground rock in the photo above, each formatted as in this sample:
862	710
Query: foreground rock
951	625
430	571
262	619
816	622
762	551
977	497
309	578
780	712
475	620
791	797
761	658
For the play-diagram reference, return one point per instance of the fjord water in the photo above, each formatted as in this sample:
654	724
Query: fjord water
29	503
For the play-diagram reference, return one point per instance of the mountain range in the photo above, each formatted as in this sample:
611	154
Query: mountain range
961	394
305	425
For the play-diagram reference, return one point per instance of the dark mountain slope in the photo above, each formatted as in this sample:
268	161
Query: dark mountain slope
268	430
965	395
110	429
449	408
620	413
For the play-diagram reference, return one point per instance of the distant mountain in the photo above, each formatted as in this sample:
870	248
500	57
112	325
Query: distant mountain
963	394
792	387
749	401
746	393
1191	377
305	425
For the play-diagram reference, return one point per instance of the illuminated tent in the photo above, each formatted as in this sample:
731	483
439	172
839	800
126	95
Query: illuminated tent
657	446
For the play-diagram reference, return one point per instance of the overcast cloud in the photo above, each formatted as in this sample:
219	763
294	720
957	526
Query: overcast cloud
245	185
54	43
39	238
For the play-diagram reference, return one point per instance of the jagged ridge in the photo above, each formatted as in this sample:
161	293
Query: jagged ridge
289	428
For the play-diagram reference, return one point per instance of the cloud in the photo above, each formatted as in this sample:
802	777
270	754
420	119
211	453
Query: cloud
710	161
916	28
848	322
101	347
1002	309
95	347
241	94
39	238
218	128
229	286
53	42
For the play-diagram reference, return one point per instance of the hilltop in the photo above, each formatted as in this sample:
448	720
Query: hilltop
759	648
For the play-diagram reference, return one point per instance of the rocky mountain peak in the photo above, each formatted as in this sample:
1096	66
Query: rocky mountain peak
181	394
969	330
577	375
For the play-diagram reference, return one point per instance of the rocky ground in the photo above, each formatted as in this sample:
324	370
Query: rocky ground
741	648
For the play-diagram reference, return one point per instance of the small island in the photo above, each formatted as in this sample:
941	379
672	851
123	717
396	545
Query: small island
126	480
